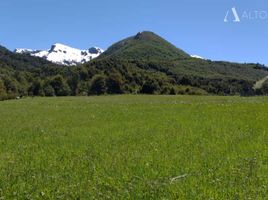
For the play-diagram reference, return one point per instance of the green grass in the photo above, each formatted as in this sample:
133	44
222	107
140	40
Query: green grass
134	147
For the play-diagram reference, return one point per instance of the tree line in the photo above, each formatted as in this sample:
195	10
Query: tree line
108	76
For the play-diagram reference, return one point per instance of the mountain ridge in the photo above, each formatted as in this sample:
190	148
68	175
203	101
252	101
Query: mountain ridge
144	63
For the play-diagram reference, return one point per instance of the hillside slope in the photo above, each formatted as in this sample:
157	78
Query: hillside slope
147	47
144	46
22	62
151	53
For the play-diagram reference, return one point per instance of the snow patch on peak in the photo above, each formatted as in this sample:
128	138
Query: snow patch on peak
63	54
196	56
18	50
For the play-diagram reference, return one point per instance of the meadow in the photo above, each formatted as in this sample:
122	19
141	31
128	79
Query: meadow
134	147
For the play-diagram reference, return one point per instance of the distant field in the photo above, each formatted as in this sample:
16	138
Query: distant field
134	147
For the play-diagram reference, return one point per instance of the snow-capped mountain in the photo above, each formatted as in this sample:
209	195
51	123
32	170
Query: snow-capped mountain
65	55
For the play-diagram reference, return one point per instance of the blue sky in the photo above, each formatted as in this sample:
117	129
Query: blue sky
196	26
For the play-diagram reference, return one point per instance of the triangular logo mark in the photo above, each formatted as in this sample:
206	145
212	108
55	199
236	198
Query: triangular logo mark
236	17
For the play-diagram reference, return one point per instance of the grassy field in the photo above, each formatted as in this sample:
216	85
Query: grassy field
134	147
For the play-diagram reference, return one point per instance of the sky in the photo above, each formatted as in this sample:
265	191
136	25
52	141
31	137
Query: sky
196	26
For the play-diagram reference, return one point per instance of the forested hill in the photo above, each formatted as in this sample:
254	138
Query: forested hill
144	46
143	63
146	52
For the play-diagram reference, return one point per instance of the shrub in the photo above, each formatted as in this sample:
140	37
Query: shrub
60	86
150	87
264	88
98	85
36	88
3	93
49	90
114	84
172	91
